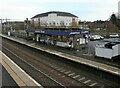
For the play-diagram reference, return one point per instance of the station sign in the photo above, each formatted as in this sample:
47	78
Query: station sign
73	33
39	31
84	32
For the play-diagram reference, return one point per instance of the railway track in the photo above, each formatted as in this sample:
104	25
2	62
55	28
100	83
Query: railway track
49	72
35	73
30	69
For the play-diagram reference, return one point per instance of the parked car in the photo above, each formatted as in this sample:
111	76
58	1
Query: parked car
114	35
96	37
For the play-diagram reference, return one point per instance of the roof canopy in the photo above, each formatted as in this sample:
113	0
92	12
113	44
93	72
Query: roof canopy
54	32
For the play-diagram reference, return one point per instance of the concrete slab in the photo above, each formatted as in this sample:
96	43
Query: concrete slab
6	79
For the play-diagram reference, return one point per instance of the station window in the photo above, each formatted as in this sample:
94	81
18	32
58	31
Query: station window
54	23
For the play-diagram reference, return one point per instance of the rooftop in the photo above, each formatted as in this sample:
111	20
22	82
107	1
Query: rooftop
56	12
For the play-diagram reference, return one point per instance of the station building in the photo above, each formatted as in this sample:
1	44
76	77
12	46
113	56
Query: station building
56	28
54	19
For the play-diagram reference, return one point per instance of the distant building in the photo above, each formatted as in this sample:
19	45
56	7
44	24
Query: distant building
54	19
119	9
12	25
84	25
99	25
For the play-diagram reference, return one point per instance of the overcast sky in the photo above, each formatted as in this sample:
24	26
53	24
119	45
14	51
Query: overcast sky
89	10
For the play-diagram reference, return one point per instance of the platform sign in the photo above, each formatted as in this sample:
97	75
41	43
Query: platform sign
75	33
8	33
40	31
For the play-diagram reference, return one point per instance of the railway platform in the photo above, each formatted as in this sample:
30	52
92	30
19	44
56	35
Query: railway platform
94	64
18	76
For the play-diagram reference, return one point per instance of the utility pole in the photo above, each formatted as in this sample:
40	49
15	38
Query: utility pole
1	26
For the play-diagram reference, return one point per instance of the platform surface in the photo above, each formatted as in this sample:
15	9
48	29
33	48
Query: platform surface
6	79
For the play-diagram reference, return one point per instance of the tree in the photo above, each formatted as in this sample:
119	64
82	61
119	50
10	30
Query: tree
113	19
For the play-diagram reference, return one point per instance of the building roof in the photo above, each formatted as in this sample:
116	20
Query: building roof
56	12
13	22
